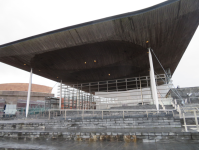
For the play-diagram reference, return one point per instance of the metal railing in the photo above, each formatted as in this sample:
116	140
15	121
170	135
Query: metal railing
196	120
102	114
87	114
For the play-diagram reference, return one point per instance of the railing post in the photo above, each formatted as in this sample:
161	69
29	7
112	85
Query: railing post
173	113
123	115
65	114
82	114
102	114
185	125
178	109
49	115
196	119
147	113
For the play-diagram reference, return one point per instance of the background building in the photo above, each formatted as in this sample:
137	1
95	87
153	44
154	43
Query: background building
13	93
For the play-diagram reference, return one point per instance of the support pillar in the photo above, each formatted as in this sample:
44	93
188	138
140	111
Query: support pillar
141	91
152	78
29	92
60	95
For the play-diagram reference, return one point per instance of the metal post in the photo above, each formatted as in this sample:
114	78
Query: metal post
60	96
64	98
29	92
126	85
107	85
185	125
89	95
173	113
196	119
82	114
136	83
116	86
65	114
73	97
179	110
147	113
87	101
77	98
98	86
82	95
147	81
141	90
152	77
102	114
68	92
123	115
49	115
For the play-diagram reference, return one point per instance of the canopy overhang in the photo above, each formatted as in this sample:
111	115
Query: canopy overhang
109	48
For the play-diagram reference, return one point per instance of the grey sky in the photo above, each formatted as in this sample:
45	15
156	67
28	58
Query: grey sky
24	18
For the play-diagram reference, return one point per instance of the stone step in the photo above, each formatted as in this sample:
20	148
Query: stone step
102	136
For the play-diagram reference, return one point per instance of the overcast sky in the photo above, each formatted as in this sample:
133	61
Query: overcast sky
23	18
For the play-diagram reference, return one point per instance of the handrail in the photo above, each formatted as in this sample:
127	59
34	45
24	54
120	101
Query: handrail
110	110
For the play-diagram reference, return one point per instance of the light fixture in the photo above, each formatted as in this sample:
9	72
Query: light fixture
95	61
85	62
147	41
109	74
39	70
24	64
57	77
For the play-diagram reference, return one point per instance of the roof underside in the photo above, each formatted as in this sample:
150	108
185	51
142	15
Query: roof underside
118	44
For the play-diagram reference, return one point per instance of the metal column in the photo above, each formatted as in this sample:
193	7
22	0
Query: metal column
60	95
152	78
29	92
141	91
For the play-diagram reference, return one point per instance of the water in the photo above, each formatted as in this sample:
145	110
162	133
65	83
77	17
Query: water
61	144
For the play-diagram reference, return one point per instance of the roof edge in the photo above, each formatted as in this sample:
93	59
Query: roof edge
93	22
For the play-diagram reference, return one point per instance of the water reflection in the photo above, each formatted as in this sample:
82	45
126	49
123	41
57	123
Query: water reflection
60	144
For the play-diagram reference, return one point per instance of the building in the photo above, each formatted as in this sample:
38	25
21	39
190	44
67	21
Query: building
112	54
13	93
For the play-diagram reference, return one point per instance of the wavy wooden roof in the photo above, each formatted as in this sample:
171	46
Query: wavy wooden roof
117	44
